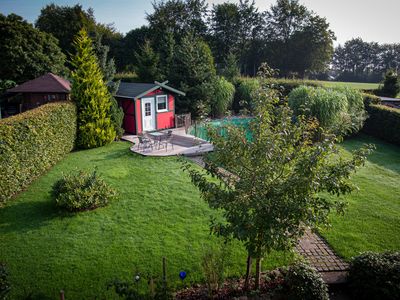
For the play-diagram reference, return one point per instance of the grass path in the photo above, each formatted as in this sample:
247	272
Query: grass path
372	220
158	213
354	85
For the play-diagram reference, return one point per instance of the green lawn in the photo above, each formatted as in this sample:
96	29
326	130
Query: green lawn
372	221
158	213
354	85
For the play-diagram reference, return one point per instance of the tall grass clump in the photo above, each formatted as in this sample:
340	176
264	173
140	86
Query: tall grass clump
340	110
222	96
245	89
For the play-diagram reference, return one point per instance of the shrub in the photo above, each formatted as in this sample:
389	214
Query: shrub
4	283
302	282
245	88
383	123
222	96
32	142
391	84
82	191
328	106
376	275
355	108
371	99
213	264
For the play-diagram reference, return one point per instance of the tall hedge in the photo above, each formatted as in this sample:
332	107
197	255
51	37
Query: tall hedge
32	142
383	123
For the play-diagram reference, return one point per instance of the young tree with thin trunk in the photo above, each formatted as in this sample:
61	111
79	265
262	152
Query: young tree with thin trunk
276	176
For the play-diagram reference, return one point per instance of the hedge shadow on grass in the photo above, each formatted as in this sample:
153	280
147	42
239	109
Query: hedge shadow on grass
24	216
381	156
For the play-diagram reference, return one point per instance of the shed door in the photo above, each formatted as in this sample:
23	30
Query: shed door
148	114
129	116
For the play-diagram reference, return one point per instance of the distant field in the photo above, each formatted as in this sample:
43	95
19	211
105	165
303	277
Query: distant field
354	85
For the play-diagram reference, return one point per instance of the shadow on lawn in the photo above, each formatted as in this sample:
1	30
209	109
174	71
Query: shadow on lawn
24	216
385	155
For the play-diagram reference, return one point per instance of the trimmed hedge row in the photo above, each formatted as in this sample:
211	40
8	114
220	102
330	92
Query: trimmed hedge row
32	142
383	123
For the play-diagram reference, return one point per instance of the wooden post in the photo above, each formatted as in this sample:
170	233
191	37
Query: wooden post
164	270
62	295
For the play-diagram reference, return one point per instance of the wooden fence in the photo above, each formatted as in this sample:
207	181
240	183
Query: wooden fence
183	120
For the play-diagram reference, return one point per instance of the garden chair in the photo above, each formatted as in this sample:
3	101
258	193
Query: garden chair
168	140
144	143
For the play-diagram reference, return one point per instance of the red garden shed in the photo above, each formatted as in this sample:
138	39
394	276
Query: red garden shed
147	106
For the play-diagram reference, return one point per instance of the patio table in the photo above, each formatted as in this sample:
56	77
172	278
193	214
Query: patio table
157	136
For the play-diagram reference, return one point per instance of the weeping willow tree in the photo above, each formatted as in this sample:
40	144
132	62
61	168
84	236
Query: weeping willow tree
91	95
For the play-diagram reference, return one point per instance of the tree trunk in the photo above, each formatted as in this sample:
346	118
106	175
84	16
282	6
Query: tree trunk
258	273
248	273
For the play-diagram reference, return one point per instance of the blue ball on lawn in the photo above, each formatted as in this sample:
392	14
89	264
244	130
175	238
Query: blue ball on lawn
182	275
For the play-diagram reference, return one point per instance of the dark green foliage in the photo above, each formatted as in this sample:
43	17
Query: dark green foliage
91	95
147	64
180	17
64	23
237	30
107	67
383	123
245	89
277	178
4	282
26	52
193	71
299	41
32	142
371	99
303	282
376	276
82	191
131	42
222	96
362	61
230	69
391	84
339	110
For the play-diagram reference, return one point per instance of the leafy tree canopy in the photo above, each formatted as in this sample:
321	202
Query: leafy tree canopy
64	22
298	40
275	178
192	69
26	52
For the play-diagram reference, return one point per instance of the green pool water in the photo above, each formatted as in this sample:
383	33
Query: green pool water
200	129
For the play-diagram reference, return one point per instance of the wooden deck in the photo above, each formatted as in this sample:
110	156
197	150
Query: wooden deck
183	144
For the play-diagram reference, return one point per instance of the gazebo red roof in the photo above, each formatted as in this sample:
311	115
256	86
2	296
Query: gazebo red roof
48	83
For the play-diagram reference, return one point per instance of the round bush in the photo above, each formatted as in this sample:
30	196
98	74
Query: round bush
82	191
302	282
376	275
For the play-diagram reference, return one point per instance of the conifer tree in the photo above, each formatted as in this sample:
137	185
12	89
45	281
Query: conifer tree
91	96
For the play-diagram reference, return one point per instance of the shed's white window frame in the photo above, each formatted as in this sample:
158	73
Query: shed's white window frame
166	103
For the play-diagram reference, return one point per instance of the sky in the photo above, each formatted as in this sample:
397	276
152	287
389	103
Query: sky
372	20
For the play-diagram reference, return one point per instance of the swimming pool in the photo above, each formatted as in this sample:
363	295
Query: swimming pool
199	130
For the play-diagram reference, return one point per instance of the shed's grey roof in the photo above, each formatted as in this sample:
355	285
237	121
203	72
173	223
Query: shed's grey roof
137	90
